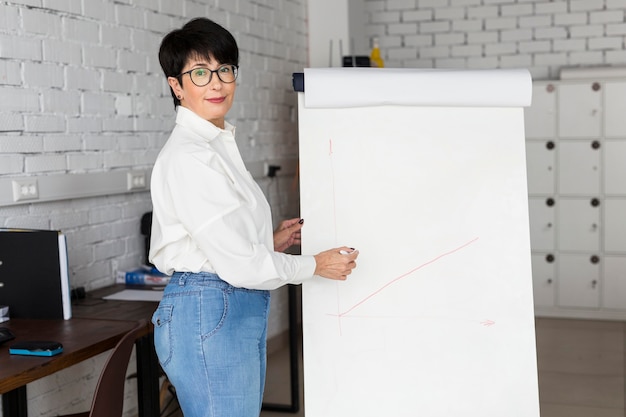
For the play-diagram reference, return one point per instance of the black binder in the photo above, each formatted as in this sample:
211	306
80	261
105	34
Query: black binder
34	280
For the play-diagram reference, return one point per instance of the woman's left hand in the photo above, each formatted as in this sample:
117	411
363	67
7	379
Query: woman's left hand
287	234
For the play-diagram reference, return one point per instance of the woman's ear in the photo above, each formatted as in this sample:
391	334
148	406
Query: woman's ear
175	86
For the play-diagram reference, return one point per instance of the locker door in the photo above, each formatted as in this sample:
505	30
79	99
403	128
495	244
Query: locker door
614	105
579	167
540	117
615	165
579	278
544	273
580	108
579	224
540	166
614	282
541	214
615	225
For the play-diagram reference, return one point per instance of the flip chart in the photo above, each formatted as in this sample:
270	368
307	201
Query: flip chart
424	173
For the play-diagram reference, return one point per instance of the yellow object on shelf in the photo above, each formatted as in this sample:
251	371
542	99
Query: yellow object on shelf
375	58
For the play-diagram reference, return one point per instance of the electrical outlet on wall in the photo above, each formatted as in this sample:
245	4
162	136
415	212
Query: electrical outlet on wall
136	180
25	189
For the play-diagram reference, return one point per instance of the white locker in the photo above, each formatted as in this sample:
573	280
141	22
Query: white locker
580	108
578	222
615	165
579	279
540	118
544	274
615	109
540	163
614	283
615	226
579	167
542	230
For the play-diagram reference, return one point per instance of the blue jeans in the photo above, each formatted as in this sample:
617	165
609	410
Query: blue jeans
210	338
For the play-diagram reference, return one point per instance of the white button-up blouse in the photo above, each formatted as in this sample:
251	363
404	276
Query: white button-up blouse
210	215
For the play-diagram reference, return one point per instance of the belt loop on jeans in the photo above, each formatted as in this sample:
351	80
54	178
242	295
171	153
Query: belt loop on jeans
183	278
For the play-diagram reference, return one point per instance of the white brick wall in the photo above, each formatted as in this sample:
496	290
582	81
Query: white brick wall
82	91
541	35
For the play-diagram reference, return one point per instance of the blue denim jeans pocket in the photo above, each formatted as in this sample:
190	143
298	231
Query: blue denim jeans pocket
210	340
161	319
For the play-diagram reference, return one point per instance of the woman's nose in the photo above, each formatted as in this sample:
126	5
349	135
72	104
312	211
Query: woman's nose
215	83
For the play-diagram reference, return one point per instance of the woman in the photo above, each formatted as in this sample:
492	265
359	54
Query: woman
212	231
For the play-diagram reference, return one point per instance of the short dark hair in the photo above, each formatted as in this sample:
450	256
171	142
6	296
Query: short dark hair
200	37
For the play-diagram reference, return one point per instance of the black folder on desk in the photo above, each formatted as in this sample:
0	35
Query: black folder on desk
34	280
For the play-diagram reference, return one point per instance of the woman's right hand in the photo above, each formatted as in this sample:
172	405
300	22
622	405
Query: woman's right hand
336	263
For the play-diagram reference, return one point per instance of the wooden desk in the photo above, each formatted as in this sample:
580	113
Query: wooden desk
148	368
81	339
93	306
96	326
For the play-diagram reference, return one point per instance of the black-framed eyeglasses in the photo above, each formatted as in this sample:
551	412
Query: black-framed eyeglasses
227	73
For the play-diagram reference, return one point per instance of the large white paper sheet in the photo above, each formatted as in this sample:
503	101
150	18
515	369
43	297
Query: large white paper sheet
437	320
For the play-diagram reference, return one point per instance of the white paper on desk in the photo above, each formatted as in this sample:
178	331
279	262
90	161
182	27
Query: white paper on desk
365	87
136	295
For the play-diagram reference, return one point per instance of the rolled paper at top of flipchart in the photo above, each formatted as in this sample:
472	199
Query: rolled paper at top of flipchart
365	87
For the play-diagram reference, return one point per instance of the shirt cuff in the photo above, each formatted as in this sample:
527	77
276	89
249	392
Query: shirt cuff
307	269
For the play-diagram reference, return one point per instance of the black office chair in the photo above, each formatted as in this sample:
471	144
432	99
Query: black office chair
108	400
146	229
167	393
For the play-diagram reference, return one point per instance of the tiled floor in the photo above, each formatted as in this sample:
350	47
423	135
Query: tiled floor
581	370
581	367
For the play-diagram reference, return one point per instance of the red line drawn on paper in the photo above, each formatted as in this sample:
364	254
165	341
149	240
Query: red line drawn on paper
347	313
406	274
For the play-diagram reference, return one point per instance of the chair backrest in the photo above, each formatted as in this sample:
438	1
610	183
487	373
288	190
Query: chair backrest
108	401
146	231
